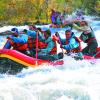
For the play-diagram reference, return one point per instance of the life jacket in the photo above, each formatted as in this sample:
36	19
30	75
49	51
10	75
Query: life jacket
75	50
41	45
91	37
88	38
32	43
19	46
54	49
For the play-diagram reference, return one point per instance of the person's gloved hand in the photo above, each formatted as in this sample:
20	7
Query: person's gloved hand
56	34
55	38
9	38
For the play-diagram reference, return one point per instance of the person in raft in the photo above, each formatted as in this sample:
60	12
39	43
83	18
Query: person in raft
49	52
17	41
33	38
88	37
71	44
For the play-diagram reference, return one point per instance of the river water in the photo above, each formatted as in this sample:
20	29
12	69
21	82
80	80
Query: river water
75	80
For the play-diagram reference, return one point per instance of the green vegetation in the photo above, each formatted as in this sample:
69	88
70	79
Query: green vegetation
21	11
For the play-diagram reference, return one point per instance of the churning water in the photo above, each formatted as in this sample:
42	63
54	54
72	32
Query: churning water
75	80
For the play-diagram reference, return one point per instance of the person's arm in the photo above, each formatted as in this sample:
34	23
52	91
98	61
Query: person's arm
80	28
60	40
72	44
20	39
7	45
41	36
48	48
31	33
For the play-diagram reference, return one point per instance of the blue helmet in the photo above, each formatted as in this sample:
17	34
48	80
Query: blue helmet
14	30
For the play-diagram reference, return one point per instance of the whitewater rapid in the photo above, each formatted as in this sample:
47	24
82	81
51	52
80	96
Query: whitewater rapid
75	80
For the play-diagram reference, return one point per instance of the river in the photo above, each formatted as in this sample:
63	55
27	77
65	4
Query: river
75	80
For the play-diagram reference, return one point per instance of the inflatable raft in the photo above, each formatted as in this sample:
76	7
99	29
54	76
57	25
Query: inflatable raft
13	62
24	59
33	62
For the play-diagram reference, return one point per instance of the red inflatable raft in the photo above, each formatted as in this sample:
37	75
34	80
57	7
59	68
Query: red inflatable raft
33	62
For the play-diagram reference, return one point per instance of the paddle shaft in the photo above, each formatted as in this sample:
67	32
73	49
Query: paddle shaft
60	41
37	47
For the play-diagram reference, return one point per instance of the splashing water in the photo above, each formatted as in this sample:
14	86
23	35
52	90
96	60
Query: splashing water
75	80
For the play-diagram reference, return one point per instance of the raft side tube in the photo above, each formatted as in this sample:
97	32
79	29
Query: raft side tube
21	58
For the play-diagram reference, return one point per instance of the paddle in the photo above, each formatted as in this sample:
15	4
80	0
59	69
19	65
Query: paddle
5	33
61	54
37	47
57	34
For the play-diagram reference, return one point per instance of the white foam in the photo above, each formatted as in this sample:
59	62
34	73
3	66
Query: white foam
75	80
